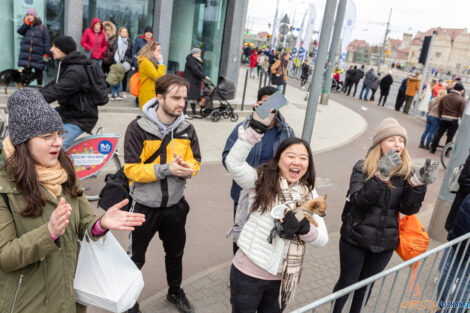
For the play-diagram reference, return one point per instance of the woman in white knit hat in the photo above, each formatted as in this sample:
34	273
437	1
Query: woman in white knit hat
381	186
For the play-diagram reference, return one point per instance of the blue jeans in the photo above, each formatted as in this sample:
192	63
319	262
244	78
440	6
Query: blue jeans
445	285
280	87
73	132
115	89
432	124
367	89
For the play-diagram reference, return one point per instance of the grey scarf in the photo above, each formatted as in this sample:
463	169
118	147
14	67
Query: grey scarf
121	51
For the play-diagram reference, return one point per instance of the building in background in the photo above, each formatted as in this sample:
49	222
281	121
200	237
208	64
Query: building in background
215	26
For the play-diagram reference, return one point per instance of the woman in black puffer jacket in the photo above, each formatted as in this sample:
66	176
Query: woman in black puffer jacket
35	45
381	186
464	190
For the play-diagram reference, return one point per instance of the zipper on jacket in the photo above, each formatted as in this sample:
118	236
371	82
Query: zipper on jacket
46	295
20	281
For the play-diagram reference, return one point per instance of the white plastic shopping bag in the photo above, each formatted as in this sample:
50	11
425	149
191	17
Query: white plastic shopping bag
106	277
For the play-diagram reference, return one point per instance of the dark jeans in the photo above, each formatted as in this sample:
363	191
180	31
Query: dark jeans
384	96
449	126
350	88
235	246
400	100
432	124
250	295
408	102
124	81
170	224
373	94
366	89
357	264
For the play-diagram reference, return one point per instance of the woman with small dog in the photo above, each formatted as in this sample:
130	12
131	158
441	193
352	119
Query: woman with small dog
43	211
381	186
264	268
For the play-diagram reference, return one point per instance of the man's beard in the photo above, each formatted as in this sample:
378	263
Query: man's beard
167	110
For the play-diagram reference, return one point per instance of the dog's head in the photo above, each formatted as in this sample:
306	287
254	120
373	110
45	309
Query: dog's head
317	205
27	76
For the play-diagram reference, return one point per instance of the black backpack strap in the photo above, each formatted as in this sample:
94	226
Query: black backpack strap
159	151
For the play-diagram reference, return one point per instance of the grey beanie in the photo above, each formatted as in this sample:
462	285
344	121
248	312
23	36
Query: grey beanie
387	128
29	115
195	50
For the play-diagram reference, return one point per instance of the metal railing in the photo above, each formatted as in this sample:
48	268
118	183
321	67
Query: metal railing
443	274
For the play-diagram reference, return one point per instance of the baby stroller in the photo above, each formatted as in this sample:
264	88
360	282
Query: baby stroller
336	86
224	89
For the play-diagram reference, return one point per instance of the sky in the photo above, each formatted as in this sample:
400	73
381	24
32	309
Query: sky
408	16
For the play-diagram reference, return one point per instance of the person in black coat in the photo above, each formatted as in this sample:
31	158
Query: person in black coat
71	88
464	190
194	74
381	186
347	79
356	76
385	84
35	45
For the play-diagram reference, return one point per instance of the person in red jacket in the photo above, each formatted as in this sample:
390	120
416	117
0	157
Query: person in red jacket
94	41
253	63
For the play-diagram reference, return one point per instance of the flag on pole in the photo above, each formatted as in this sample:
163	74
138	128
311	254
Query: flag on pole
275	31
299	36
348	27
303	53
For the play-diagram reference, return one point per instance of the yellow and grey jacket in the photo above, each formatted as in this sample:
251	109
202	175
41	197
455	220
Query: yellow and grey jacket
152	184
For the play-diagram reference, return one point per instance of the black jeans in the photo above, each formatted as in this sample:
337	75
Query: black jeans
357	264
384	96
373	94
449	126
250	295
170	224
401	96
351	86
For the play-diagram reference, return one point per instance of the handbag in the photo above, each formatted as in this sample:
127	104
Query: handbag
105	276
414	240
134	84
116	186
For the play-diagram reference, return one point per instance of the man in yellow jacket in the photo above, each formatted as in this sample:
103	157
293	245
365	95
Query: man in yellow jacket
161	151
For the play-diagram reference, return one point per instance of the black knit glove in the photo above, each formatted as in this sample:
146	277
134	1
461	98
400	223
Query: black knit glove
304	226
289	226
259	124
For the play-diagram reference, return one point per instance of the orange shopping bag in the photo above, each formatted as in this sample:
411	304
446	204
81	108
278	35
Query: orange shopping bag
414	240
134	84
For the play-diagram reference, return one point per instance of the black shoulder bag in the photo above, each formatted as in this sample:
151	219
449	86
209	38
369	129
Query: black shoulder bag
116	186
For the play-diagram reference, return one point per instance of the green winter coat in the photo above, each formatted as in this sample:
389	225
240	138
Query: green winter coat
116	74
36	273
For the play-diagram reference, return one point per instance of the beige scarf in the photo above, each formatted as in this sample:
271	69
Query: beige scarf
51	178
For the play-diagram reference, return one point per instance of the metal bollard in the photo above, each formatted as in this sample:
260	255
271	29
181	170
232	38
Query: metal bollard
244	90
260	79
265	78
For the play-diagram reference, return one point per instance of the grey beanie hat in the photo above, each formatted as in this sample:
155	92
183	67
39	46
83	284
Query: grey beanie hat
195	50
29	115
387	128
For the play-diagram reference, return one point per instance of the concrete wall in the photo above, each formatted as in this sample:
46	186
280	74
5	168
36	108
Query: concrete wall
162	25
232	41
73	14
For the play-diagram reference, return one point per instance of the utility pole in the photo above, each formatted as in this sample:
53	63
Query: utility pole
445	198
340	11
387	30
316	83
423	76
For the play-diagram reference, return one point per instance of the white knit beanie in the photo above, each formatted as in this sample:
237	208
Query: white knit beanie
387	128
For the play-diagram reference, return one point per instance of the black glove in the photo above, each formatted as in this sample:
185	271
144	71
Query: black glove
257	126
304	226
261	125
289	226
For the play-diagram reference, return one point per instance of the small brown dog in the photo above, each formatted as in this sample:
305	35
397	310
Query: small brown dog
314	206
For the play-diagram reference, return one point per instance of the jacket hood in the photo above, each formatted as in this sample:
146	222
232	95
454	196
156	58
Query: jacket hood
143	37
413	79
76	57
113	28
94	21
149	111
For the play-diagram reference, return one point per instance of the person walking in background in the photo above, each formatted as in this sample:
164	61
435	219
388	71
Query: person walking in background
43	222
151	68
279	72
347	79
193	72
432	121
426	97
356	76
261	152
368	79
401	96
253	63
381	186
439	86
161	137
263	62
385	84
305	73
412	86
123	53
114	79
109	30
450	108
94	41
35	45
374	85
139	43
